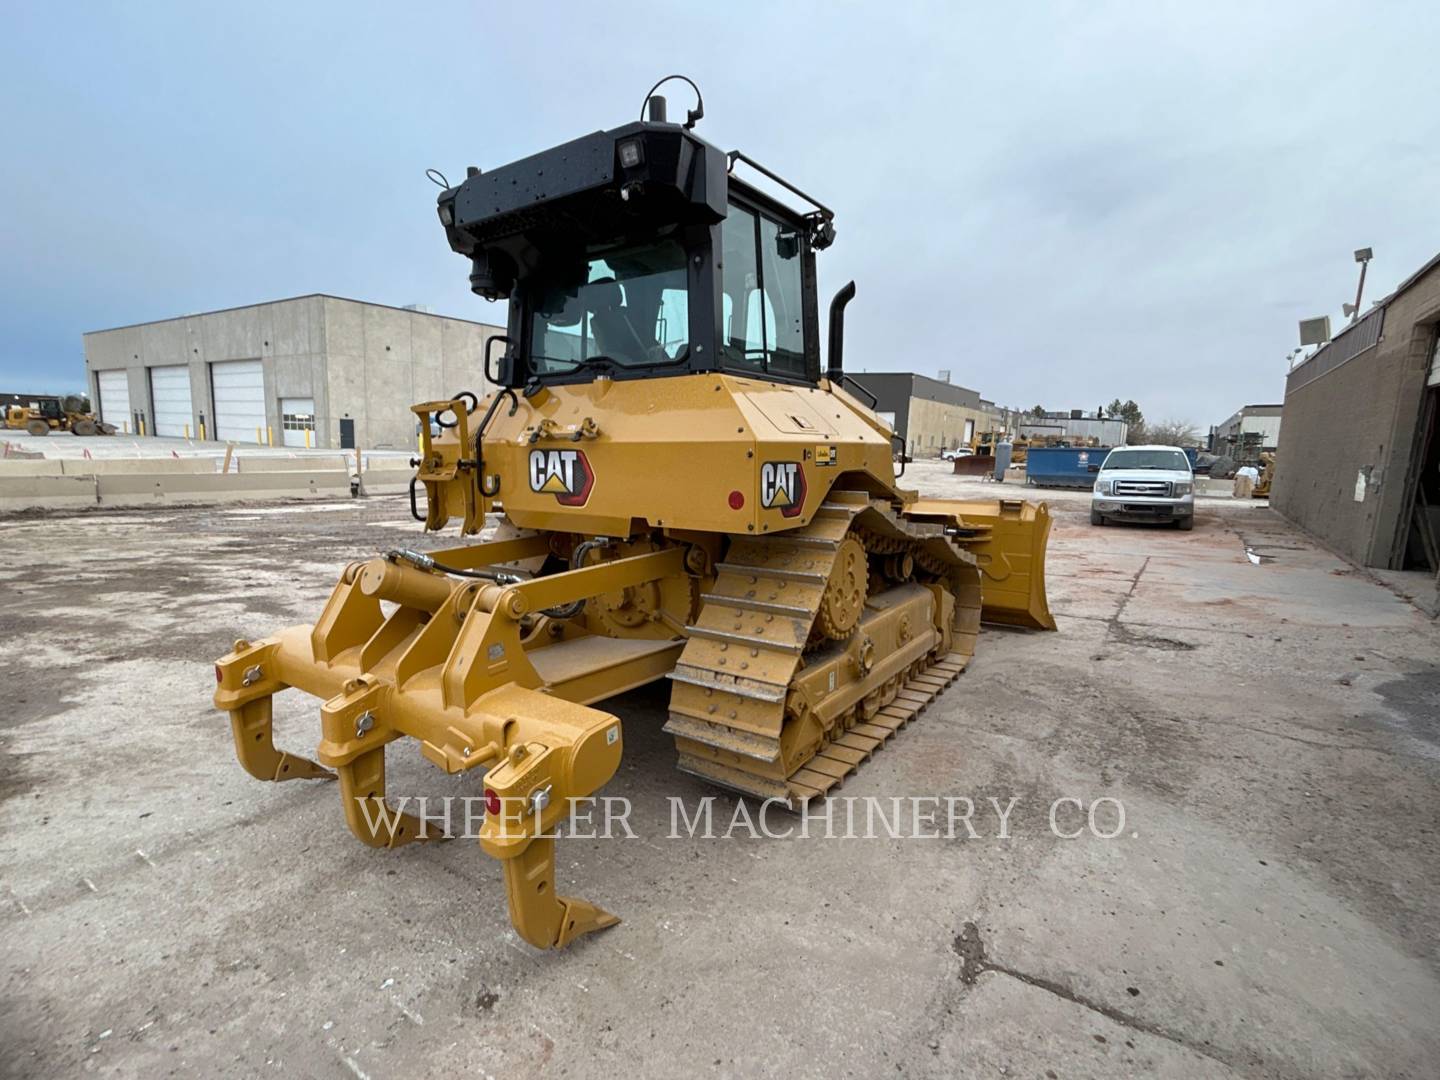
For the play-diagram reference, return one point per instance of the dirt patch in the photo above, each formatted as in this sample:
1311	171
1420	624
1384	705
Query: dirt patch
1120	634
15	779
971	950
1416	697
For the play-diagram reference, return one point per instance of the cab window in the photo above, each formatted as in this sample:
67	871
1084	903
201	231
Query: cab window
627	306
763	328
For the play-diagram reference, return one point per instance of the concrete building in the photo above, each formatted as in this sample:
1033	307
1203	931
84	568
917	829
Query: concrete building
1358	464
930	415
335	372
1247	432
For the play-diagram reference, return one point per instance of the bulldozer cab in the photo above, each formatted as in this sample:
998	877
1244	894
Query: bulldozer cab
638	253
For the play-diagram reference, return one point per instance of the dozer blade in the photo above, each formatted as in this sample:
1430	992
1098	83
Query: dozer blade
1008	537
975	465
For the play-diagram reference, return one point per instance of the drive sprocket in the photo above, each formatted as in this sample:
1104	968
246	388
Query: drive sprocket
845	591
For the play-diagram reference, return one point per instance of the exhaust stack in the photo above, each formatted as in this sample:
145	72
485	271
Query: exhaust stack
835	358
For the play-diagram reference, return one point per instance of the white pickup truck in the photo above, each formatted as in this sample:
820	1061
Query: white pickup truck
1144	483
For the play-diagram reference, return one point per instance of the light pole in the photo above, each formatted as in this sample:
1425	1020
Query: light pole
1363	257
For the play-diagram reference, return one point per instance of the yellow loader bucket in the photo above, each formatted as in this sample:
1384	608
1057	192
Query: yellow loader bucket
1008	537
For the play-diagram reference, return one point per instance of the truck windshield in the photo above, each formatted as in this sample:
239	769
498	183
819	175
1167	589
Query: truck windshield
628	306
1147	459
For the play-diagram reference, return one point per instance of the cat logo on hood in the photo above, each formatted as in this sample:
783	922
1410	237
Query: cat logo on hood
566	474
782	487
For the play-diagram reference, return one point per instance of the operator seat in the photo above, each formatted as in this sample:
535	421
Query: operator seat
610	321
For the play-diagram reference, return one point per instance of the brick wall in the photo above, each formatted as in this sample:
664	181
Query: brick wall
1346	446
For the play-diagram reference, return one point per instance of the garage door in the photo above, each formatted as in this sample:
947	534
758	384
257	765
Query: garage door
170	393
239	400
297	420
115	399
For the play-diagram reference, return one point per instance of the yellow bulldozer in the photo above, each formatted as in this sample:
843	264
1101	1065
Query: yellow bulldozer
42	415
664	484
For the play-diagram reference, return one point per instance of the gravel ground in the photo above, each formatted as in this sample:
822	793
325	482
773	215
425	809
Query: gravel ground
1268	908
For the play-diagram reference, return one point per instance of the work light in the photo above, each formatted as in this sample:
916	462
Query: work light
631	153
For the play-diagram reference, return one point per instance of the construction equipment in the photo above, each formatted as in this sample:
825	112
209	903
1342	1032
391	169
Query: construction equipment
682	493
44	414
982	461
1261	490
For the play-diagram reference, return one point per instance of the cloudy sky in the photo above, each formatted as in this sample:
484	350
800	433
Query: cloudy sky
1061	203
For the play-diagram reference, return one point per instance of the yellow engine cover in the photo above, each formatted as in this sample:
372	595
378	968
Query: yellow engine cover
708	453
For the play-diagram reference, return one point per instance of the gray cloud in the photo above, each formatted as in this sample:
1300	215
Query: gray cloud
1059	203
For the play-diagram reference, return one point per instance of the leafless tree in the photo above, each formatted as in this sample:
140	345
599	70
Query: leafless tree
1172	432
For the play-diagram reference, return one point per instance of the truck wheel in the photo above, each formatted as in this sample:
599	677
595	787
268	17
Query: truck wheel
38	427
83	427
1185	524
1096	518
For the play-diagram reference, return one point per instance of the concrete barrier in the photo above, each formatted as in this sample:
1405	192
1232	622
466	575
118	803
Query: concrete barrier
142	482
133	466
30	467
138	489
309	463
21	491
386	481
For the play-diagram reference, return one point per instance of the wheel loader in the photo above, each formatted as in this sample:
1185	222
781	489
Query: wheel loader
44	415
661	482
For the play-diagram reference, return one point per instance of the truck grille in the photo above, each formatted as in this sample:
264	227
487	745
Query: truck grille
1159	488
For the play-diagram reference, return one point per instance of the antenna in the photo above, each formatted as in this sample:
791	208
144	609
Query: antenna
692	116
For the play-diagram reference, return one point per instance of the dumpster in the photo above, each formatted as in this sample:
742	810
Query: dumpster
1063	466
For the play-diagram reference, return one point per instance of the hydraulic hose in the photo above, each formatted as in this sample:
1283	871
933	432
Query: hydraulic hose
425	562
504	577
577	560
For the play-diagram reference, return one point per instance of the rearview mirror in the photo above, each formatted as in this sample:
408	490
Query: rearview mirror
504	371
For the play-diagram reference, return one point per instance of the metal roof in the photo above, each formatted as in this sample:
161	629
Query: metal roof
286	300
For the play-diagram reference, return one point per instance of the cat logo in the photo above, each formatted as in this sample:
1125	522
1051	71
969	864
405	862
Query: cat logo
782	487
566	474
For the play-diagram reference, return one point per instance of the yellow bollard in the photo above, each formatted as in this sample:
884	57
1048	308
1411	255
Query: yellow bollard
258	441
307	438
202	432
187	432
269	435
142	426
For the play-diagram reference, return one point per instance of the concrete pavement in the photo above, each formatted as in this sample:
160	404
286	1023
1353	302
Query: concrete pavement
1268	908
